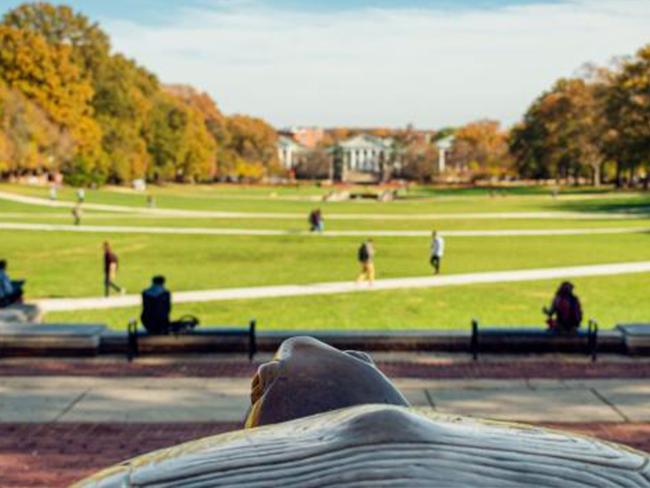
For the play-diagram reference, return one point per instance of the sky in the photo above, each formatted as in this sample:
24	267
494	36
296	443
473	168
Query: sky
364	63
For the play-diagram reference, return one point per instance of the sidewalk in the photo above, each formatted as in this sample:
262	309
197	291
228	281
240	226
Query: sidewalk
61	420
143	400
101	303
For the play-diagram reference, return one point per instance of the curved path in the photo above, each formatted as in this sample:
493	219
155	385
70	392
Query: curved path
120	229
165	212
70	304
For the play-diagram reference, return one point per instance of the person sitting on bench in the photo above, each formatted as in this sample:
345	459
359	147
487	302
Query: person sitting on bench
566	309
156	307
10	291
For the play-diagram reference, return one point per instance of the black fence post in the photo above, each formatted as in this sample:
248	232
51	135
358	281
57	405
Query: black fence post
474	340
252	339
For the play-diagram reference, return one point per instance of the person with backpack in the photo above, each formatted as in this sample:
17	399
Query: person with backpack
565	313
366	257
156	308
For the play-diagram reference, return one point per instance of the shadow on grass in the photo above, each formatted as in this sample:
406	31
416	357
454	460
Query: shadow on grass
636	206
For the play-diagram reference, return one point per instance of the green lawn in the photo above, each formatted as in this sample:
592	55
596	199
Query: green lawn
66	264
228	198
63	264
610	300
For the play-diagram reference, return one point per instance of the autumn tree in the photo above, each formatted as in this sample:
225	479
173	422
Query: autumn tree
563	132
181	148
60	25
628	113
28	139
480	149
46	74
252	146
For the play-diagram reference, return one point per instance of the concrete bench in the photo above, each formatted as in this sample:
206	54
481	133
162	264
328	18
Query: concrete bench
21	313
636	338
374	340
50	339
202	340
533	340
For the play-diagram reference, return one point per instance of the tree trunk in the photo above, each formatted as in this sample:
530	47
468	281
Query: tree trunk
596	174
619	174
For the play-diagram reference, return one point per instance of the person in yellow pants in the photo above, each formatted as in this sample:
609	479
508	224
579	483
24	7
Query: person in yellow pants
366	257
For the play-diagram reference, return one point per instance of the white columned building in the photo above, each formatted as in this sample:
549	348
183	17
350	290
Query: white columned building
364	157
289	152
444	145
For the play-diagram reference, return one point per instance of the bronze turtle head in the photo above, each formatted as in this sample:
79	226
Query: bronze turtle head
307	377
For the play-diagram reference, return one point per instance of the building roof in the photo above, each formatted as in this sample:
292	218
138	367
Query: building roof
365	141
285	142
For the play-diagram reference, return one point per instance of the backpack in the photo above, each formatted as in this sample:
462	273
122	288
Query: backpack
363	253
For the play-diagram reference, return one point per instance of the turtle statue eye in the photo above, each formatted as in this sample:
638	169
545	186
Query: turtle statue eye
360	355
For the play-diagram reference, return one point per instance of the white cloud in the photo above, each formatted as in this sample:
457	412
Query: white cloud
383	66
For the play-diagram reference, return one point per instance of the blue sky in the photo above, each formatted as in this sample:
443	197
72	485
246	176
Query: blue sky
371	63
157	11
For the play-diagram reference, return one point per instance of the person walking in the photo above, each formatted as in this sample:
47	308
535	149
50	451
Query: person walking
81	195
77	213
437	251
110	271
366	257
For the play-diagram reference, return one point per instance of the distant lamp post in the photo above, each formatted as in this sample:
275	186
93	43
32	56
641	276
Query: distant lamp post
444	145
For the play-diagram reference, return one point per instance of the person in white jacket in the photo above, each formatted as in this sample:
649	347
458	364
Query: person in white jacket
437	251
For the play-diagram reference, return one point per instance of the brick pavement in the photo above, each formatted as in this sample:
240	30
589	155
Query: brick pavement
55	455
429	369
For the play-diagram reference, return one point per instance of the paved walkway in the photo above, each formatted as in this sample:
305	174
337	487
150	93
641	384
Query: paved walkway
123	229
142	400
330	216
55	429
68	304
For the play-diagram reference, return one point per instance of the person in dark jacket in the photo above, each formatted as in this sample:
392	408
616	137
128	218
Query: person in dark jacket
110	271
565	313
157	307
10	291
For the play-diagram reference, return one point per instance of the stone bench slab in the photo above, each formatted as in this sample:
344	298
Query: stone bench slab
50	339
636	337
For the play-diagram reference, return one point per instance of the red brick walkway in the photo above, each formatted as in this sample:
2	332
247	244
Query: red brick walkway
55	455
508	369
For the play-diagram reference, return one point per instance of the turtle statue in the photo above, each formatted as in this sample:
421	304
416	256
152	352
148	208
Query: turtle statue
321	417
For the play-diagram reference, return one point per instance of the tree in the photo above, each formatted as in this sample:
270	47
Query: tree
122	90
60	25
181	148
252	146
315	164
419	161
628	111
123	103
28	139
563	133
481	149
46	74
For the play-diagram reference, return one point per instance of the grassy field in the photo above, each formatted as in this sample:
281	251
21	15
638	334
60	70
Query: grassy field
609	300
66	264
